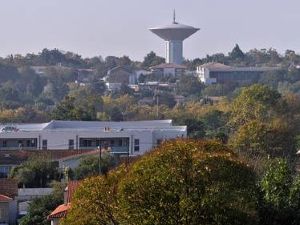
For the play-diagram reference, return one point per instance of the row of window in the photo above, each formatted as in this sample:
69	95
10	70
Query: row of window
84	143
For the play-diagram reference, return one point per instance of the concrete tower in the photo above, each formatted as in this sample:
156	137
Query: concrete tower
174	34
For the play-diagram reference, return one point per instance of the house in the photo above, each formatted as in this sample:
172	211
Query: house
211	73
4	209
123	75
12	158
8	204
126	137
169	69
62	210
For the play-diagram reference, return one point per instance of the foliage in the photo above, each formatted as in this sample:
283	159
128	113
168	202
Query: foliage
189	85
40	208
261	122
181	182
89	166
236	53
37	172
151	59
280	195
95	201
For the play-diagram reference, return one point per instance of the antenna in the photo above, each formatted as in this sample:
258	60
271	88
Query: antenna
174	16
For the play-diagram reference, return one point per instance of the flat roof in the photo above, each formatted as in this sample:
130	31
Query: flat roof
89	125
219	67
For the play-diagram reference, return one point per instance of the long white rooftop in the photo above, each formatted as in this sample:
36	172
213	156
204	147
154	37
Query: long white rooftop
90	125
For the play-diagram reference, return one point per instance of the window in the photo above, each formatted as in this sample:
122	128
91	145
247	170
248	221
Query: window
112	142
71	144
44	144
136	145
98	143
120	143
4	144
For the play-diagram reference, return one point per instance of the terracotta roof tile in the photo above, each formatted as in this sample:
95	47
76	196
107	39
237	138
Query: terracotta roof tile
60	211
8	187
4	198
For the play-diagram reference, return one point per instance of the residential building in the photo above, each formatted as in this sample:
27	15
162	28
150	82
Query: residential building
123	75
169	69
211	73
8	204
127	137
10	159
62	210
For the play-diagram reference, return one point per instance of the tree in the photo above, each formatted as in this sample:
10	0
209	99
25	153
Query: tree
280	191
189	182
189	85
40	208
37	172
89	166
236	53
262	123
95	201
151	59
180	182
81	105
254	102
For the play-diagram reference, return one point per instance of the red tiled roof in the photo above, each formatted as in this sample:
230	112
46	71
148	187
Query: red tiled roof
60	211
8	187
14	157
4	198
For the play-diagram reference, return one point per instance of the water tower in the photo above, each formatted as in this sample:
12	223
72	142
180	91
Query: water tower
174	34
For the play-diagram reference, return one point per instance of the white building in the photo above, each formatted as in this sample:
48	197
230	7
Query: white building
211	73
169	69
130	137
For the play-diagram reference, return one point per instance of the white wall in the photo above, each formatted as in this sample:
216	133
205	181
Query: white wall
59	139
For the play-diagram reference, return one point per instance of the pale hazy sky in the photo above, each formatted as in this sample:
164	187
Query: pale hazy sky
119	27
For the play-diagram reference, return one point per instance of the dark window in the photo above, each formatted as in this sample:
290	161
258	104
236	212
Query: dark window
71	144
4	144
136	145
98	143
120	142
112	142
44	144
28	143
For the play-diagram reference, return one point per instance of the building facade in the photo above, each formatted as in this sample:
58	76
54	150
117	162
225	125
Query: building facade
130	137
212	73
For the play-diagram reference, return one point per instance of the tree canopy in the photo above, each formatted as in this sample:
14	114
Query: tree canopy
181	182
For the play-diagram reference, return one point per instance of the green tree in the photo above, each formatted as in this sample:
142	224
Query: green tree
181	182
262	123
280	195
40	208
152	59
89	166
37	172
237	54
189	85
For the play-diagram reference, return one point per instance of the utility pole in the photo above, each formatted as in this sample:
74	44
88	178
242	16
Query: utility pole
100	157
157	103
